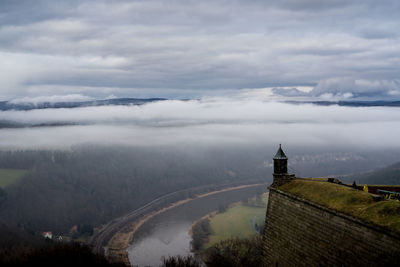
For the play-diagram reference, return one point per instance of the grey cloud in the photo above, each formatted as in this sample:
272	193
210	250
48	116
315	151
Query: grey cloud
382	89
181	46
382	31
291	92
313	5
52	99
24	12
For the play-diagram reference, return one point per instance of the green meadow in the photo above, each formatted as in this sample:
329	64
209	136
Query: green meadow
237	221
10	176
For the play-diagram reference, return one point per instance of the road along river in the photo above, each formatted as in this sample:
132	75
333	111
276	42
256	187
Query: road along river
166	233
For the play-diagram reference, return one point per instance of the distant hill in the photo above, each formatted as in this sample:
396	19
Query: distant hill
8	105
351	103
389	175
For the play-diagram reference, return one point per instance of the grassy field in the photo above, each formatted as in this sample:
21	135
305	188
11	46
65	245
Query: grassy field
344	199
9	176
237	221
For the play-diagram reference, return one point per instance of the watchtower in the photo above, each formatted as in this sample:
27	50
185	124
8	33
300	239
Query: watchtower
281	175
280	161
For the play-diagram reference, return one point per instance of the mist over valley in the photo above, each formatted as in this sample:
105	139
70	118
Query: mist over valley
115	158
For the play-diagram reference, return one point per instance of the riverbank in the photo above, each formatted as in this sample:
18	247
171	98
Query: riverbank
120	241
245	220
207	216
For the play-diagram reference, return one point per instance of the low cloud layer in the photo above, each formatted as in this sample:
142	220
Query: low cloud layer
344	49
208	123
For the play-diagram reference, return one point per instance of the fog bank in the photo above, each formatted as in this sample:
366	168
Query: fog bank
205	122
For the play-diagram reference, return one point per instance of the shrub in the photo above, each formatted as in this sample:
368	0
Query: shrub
235	252
181	261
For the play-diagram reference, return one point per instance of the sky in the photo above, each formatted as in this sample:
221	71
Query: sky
86	49
234	60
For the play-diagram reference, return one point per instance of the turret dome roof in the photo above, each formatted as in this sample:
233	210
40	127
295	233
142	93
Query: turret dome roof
280	154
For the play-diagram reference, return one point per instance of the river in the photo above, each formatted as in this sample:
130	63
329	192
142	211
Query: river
166	234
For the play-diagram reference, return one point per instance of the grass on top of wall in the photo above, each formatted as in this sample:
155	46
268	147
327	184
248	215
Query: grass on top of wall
347	200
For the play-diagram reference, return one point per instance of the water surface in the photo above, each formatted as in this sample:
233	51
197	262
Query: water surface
166	234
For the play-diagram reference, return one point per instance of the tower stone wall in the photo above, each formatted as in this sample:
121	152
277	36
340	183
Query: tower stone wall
281	175
280	166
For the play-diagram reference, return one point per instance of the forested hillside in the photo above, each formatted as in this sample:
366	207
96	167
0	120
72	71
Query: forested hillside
389	175
90	185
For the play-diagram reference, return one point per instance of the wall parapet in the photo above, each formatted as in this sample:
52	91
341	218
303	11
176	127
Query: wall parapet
340	214
299	232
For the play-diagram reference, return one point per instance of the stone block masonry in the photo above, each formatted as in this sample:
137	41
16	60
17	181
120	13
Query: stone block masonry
301	233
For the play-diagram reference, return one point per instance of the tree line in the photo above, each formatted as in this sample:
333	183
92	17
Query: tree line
92	184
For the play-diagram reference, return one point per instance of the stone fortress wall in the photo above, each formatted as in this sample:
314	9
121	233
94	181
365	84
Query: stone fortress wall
302	233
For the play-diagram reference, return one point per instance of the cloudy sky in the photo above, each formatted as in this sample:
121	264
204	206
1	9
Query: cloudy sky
336	49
